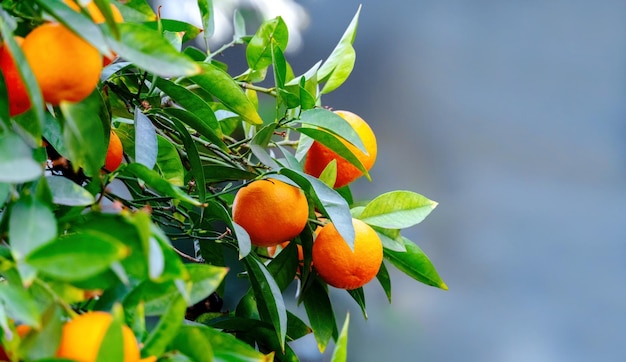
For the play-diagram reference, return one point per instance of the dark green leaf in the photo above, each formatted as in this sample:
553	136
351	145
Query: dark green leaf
193	157
220	84
167	327
194	104
169	163
397	210
268	296
217	173
384	280
359	296
160	185
197	124
320	312
228	348
416	264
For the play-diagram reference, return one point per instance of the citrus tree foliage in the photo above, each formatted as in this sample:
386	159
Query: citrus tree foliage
154	240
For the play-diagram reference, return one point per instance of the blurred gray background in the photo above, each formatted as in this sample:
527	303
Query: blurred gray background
512	115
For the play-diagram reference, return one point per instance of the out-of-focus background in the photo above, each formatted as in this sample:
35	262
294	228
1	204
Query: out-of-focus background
512	115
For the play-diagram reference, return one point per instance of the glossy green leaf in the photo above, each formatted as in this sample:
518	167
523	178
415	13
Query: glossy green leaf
168	162
218	173
359	297
197	124
146	145
19	304
218	211
205	278
31	225
154	180
149	50
189	31
340	354
77	256
391	238
193	343
165	330
284	265
340	62
220	84
268	295
16	160
319	310
228	348
327	200
193	103
415	264
332	142
397	210
67	192
85	131
193	157
385	280
332	123
258	51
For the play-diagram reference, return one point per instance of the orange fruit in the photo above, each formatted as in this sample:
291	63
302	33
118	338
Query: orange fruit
271	211
81	338
18	95
341	267
98	18
319	156
66	66
115	153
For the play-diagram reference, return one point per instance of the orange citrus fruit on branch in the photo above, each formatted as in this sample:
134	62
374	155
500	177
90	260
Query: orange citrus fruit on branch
82	336
115	153
18	95
271	211
319	156
341	267
66	66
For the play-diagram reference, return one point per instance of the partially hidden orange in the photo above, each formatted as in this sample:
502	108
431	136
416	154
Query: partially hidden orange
67	67
115	153
271	211
342	267
319	156
18	95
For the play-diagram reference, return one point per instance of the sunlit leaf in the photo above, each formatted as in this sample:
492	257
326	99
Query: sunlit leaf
397	210
154	180
16	160
340	354
258	51
67	192
169	163
415	264
19	304
333	123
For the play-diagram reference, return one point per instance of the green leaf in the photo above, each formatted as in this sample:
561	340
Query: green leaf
20	304
149	50
268	296
166	329
333	123
85	129
327	200
194	104
154	180
332	142
218	173
284	265
205	278
169	163
193	343
112	345
340	354
385	280
391	238
77	256
197	124
359	297
397	210
340	63
415	264
222	86
43	342
67	192
258	51
208	19
189	31
228	348
217	211
146	145
193	157
16	161
319	310
31	225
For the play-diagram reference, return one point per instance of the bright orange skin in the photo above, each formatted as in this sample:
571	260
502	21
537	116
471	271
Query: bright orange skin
115	153
338	265
82	336
66	67
18	95
271	211
319	156
98	18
